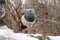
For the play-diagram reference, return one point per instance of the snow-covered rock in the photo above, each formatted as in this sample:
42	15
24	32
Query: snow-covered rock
8	34
54	37
21	36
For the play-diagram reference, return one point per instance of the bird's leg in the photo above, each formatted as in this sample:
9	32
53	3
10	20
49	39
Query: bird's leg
29	29
44	36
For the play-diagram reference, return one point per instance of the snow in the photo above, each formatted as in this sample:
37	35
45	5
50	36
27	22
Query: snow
54	37
21	36
8	34
5	29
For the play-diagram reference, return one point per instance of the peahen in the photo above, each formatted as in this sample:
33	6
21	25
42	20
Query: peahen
29	18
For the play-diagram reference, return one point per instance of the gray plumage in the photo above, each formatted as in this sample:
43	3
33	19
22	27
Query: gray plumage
31	15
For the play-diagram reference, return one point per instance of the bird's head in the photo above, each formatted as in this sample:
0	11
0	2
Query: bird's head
30	15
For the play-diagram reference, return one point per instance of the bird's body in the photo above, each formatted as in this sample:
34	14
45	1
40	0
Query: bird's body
29	19
25	22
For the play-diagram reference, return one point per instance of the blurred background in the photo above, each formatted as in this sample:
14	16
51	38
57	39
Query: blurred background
48	16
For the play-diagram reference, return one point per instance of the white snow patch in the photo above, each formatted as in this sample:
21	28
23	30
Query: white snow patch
21	36
4	30
35	35
8	34
54	37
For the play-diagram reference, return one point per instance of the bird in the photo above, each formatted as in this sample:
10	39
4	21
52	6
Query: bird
29	18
